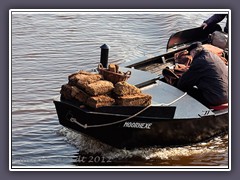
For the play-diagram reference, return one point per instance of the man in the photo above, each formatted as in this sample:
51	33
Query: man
216	18
207	77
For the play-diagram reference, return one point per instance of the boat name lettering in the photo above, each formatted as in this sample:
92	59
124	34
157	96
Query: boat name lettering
137	125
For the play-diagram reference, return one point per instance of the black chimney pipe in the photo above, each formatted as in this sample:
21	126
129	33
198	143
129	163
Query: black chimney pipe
104	55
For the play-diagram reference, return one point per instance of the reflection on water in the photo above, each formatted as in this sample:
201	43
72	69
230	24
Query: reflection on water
47	47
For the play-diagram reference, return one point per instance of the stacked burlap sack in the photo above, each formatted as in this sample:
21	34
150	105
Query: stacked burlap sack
92	90
129	95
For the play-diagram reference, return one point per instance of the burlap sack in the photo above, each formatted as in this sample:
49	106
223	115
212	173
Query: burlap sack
72	92
99	88
83	78
99	101
123	88
216	50
134	100
79	95
113	68
66	91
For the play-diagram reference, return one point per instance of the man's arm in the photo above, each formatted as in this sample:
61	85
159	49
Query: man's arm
216	18
190	77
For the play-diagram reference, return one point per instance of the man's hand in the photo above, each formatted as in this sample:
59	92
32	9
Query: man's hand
204	25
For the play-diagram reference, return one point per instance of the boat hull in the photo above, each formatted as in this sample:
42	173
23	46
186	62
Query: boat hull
140	131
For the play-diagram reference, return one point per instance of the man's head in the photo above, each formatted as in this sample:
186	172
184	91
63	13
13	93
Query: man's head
194	48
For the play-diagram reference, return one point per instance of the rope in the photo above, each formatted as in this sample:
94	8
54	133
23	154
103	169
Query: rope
108	124
172	101
130	117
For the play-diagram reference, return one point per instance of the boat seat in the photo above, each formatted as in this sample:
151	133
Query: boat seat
219	107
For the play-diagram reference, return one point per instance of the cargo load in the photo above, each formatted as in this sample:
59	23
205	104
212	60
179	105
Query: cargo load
95	91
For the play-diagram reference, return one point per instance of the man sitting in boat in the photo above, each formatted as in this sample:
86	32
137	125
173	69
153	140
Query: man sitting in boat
207	77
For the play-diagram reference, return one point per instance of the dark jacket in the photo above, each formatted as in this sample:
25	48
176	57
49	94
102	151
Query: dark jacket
216	18
209	73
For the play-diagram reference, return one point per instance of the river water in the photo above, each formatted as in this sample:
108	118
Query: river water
46	47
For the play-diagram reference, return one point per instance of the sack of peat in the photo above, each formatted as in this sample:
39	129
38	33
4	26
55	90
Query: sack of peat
134	100
66	91
123	88
99	101
79	94
72	92
82	78
99	88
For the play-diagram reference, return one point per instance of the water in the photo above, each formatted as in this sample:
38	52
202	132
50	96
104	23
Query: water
47	47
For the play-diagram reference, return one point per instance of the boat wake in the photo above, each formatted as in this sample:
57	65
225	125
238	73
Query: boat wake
94	152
